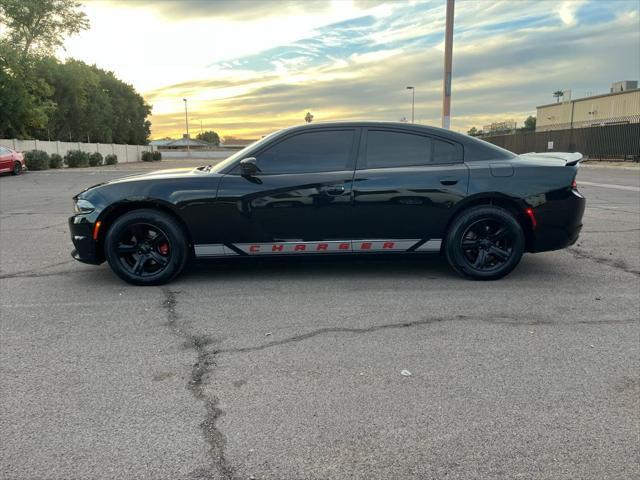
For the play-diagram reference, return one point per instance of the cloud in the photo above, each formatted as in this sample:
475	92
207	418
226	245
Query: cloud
352	60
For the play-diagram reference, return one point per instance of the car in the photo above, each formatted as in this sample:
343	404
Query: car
337	188
11	161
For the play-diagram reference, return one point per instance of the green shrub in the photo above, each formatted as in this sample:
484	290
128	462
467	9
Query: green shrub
147	156
76	159
36	160
157	156
95	159
111	159
55	161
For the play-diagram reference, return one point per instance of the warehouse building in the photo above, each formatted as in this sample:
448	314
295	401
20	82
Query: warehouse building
618	107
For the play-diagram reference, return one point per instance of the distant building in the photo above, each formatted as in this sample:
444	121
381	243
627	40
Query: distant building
499	127
181	144
620	106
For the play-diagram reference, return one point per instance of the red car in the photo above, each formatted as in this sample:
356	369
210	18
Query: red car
11	161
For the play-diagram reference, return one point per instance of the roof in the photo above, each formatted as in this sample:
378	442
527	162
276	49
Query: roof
591	97
381	124
160	143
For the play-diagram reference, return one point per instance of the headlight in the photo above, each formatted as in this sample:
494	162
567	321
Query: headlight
83	206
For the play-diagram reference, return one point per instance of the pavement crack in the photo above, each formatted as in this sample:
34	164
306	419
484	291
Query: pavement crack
611	262
205	362
497	320
37	272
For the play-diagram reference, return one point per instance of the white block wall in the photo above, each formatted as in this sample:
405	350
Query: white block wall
125	153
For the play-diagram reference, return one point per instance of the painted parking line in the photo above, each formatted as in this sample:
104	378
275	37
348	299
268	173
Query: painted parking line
609	185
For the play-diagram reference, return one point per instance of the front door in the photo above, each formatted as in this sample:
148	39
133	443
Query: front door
405	186
300	199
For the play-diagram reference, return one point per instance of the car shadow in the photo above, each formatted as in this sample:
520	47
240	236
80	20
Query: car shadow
387	266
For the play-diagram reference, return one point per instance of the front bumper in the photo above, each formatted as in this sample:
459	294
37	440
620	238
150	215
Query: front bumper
86	248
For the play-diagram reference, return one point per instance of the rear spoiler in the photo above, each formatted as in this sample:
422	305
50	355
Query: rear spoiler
569	158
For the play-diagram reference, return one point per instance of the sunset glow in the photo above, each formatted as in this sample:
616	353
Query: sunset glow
251	67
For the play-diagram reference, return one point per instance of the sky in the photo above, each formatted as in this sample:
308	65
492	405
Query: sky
249	67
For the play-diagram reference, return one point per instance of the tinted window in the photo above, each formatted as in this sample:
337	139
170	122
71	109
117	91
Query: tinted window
395	149
3	151
445	152
309	152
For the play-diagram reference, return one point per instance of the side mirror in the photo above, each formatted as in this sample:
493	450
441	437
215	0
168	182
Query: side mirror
249	167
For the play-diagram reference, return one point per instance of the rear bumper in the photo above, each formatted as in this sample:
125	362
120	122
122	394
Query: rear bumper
86	249
559	222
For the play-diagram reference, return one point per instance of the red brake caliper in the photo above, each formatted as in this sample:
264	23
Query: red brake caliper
163	248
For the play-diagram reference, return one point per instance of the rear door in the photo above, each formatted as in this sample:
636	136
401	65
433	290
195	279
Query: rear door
406	185
302	193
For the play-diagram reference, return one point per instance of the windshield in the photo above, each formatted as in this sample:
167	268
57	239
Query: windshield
217	168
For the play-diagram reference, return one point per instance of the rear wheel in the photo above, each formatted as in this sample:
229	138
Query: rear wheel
17	168
485	243
146	247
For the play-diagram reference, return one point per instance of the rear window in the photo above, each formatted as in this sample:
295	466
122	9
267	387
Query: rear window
397	149
388	149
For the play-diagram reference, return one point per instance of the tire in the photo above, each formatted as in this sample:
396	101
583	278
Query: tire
17	168
146	247
484	243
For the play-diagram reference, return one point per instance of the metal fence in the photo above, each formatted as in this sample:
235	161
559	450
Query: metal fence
125	153
605	142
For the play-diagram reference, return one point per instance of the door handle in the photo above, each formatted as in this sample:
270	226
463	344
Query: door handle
449	181
333	190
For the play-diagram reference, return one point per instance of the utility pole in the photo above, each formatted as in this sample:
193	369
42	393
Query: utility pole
413	102
201	127
186	122
448	48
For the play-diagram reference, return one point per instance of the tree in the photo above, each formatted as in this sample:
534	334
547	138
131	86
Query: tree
557	94
210	137
308	117
38	27
530	123
473	131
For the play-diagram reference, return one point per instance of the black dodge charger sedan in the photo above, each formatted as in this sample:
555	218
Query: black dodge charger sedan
337	188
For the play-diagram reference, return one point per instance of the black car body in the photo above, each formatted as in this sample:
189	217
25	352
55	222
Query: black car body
334	188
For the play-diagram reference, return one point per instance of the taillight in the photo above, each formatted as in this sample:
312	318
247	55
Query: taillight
574	185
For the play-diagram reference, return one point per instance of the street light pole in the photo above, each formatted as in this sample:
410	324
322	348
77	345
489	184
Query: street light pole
186	122
413	102
448	48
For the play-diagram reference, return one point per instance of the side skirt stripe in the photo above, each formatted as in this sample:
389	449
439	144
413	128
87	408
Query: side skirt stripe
331	246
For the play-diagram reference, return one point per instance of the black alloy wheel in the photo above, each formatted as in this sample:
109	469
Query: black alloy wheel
485	242
143	249
146	247
17	168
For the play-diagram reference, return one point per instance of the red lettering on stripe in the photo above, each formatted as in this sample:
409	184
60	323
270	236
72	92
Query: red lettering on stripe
388	245
254	248
277	248
365	246
322	246
300	247
344	246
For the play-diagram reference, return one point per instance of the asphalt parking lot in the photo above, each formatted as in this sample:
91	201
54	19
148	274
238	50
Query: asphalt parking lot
291	369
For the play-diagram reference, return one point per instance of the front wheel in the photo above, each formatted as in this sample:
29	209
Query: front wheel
146	247
484	243
17	168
